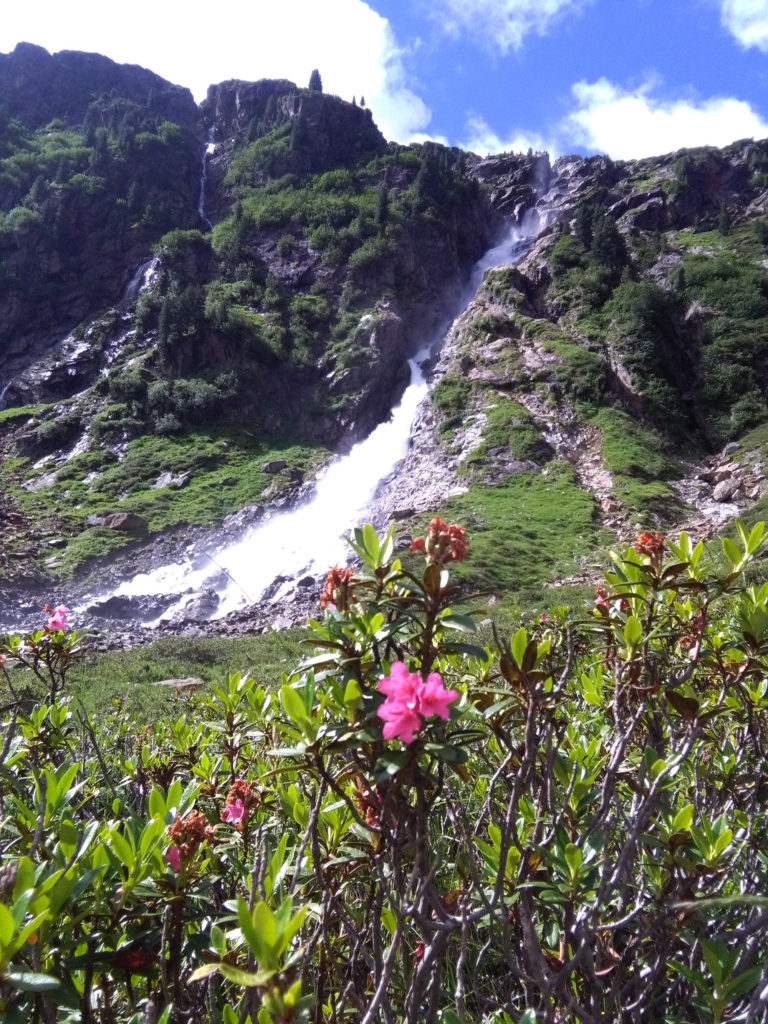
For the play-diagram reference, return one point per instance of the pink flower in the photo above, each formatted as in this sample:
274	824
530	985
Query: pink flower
173	856
434	698
233	812
58	619
409	699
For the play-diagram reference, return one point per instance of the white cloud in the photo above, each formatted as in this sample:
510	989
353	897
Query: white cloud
502	24
747	20
353	47
627	124
480	138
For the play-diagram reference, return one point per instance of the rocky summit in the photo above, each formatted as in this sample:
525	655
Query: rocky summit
199	305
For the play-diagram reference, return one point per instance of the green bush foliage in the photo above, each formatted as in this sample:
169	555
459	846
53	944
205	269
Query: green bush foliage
567	826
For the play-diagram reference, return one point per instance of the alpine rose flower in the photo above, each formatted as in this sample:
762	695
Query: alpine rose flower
173	856
58	617
233	812
409	699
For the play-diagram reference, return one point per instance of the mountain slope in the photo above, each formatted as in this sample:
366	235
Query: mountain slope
186	334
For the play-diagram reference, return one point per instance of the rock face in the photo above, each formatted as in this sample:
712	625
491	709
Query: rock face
38	86
327	132
78	227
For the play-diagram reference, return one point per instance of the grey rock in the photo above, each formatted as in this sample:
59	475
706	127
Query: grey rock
274	466
726	489
731	447
127	521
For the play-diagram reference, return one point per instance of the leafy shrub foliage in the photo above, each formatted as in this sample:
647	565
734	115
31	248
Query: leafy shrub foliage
568	827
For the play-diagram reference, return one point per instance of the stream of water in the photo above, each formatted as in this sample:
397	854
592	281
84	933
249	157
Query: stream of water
306	540
210	149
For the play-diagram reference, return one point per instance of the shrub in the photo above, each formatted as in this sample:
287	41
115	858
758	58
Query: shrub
567	826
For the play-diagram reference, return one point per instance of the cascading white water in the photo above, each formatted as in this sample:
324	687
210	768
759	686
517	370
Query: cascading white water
140	280
308	539
3	391
210	149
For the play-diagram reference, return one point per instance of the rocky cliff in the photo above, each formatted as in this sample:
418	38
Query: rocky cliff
197	305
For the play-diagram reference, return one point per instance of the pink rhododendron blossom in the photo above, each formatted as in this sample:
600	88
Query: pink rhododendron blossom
58	618
402	720
173	856
434	698
233	812
409	699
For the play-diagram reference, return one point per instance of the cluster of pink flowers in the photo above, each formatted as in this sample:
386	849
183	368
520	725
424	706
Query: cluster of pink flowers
186	835
57	617
242	798
410	699
443	543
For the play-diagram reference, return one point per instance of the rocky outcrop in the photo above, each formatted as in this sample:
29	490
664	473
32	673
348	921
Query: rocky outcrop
38	86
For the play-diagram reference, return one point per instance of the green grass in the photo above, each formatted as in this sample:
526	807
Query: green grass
636	458
129	678
22	412
525	530
508	425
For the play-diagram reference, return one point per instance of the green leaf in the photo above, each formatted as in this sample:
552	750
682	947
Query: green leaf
389	919
218	940
122	848
265	925
755	538
633	631
352	694
293	705
518	645
204	972
723	841
31	981
731	551
245	978
157	805
68	834
683	819
573	858
371	542
742	983
465	623
448	753
7	925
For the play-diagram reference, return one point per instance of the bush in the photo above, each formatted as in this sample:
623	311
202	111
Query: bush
568	826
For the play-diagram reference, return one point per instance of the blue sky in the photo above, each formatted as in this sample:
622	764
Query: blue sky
628	77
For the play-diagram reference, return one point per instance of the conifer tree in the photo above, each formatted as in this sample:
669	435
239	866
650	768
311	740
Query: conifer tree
315	81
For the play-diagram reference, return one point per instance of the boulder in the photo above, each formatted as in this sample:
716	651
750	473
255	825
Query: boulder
726	489
275	466
127	521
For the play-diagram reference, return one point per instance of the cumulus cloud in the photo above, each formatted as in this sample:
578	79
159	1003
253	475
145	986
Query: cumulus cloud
747	20
502	24
353	47
480	138
628	124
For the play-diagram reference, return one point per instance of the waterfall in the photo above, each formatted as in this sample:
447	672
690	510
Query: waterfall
208	151
3	391
140	279
308	539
